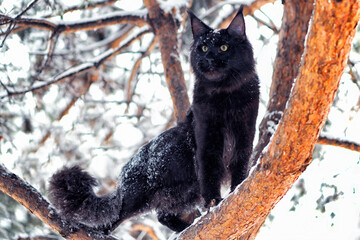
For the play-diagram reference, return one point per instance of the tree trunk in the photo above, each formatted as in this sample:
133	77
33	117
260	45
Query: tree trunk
165	29
292	34
328	44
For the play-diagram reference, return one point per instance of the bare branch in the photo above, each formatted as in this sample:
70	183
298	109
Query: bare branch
87	6
26	9
12	26
53	40
248	10
271	25
328	140
86	83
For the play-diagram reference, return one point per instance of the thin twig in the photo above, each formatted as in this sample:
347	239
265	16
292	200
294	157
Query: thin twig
26	9
53	40
270	25
130	90
81	92
354	74
12	25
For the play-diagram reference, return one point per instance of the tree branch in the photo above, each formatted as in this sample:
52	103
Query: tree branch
84	67
12	26
53	40
166	28
328	140
241	215
31	199
84	88
248	10
290	48
38	238
119	17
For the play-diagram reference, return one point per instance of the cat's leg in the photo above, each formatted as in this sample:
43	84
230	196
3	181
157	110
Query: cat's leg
241	156
239	170
210	143
172	221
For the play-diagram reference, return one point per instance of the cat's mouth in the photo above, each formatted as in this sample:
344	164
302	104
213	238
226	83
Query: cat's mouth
213	75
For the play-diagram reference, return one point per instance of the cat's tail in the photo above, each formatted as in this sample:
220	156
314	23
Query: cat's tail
71	192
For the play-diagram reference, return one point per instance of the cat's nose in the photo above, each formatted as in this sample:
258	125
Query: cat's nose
210	61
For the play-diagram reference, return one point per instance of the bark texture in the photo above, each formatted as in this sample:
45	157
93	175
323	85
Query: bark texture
326	140
292	35
242	214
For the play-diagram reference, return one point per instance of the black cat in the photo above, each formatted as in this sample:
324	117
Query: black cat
164	175
161	177
225	104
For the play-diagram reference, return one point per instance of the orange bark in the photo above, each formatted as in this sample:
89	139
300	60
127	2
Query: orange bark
242	214
291	45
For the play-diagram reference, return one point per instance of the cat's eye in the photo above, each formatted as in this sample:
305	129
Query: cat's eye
223	48
204	48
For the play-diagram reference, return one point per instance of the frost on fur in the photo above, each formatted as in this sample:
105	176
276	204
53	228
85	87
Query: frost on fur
71	192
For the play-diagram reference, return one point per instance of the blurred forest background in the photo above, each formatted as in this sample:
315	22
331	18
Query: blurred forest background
83	82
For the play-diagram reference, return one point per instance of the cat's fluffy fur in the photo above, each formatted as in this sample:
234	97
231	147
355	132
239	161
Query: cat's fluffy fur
161	177
225	104
184	165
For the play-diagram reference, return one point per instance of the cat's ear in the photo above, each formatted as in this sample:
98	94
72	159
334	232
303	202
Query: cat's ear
237	25
197	26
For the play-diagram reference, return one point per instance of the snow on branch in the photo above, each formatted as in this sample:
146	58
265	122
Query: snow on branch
118	17
84	6
84	67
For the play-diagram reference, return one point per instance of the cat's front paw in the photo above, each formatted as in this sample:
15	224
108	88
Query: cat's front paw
213	202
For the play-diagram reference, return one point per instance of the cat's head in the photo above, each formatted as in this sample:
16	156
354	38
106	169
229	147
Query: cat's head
221	55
